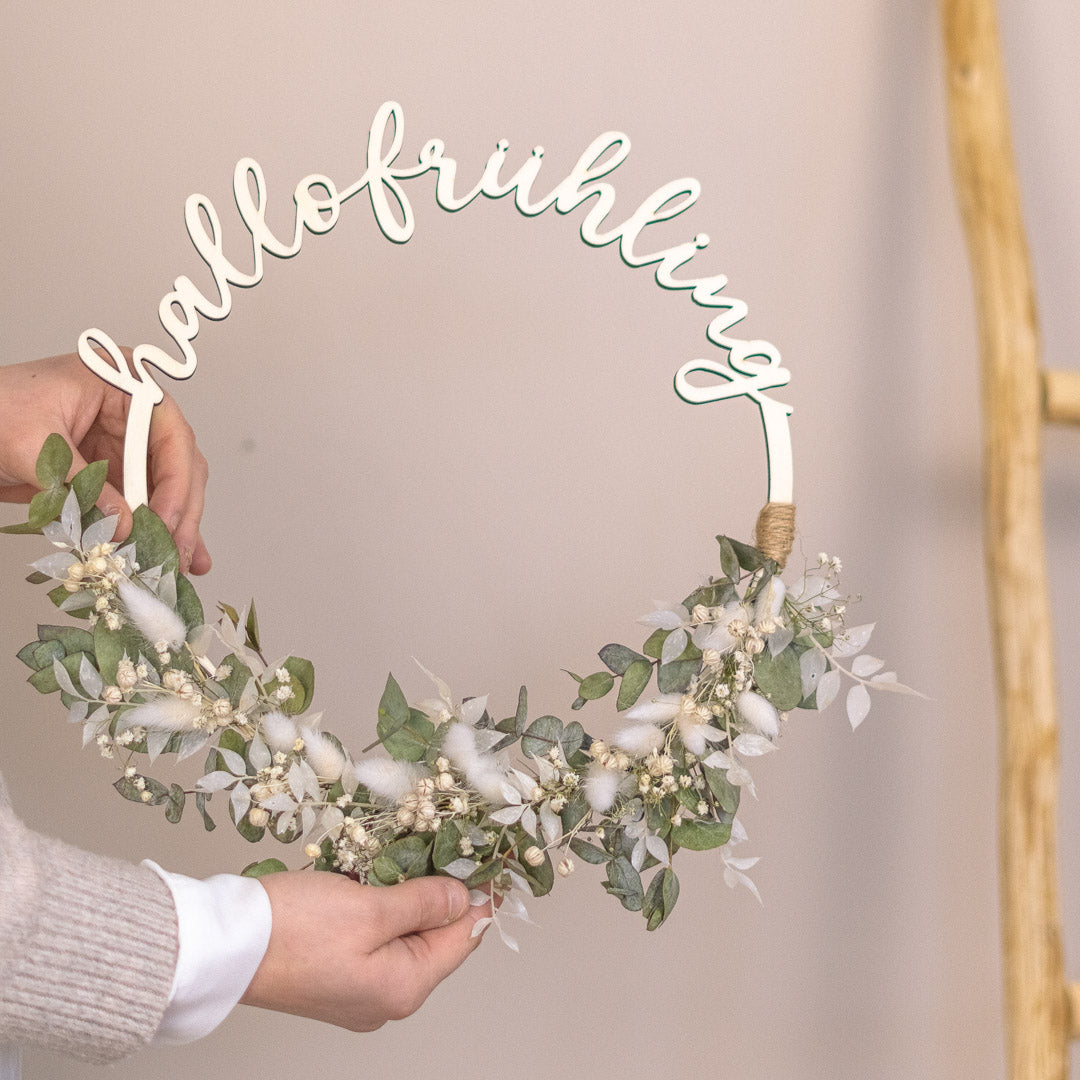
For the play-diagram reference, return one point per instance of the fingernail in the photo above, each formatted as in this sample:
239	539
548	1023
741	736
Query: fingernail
459	901
185	560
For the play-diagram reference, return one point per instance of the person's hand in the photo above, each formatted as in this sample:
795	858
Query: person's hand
359	955
61	394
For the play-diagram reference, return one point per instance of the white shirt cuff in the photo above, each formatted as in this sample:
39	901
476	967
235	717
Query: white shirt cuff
224	929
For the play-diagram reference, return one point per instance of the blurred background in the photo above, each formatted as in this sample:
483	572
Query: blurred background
467	449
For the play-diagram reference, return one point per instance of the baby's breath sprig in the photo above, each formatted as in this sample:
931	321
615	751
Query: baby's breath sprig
709	691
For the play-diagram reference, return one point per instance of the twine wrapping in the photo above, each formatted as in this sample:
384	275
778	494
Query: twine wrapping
775	532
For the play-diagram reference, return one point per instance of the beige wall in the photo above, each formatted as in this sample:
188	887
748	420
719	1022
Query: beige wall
467	449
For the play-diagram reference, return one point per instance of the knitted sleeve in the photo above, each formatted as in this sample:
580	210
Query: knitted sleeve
87	947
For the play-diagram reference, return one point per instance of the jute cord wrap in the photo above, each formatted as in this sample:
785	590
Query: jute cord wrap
775	532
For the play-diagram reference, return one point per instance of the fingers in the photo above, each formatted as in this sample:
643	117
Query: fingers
417	905
178	473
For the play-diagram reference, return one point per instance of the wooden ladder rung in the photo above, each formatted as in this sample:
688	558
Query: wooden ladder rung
1061	397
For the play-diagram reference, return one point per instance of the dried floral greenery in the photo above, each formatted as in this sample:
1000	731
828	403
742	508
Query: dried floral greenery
504	805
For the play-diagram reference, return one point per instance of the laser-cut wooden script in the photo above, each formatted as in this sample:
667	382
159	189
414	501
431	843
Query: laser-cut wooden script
750	369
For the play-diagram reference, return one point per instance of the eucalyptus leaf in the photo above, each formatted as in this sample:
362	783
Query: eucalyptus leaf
46	506
73	638
624	882
634	680
660	898
87	484
188	605
724	791
675	678
53	461
153	542
446	847
588	852
618	658
261	869
701	835
541	735
596	686
779	678
174	808
201	799
411	854
302	684
45	652
408	741
729	561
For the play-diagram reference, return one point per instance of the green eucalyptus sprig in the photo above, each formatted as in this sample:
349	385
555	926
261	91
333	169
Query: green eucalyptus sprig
503	805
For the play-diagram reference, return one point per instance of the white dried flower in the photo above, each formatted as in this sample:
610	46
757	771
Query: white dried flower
165	713
601	787
282	675
279	731
284	693
759	713
640	739
322	754
173	679
126	675
312	851
481	768
533	855
112	695
445	781
388	779
258	816
406	818
153	618
222	708
566	867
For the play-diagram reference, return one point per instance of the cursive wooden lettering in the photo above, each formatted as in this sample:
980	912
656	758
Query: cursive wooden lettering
750	369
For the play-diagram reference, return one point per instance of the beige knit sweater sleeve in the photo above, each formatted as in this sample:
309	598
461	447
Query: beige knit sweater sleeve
87	946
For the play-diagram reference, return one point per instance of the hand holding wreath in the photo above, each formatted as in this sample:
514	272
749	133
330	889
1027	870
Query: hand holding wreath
60	394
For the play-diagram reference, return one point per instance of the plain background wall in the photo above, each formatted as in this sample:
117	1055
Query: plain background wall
467	449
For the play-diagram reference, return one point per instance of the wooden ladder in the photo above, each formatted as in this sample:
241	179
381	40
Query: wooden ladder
1042	1012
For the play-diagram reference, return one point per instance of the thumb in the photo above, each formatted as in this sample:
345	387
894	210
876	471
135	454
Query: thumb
421	904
